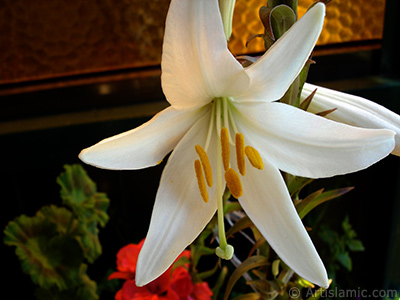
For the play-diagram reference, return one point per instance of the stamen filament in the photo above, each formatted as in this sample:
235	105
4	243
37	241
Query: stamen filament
206	164
239	142
200	180
232	119
254	157
210	127
233	182
225	110
225	147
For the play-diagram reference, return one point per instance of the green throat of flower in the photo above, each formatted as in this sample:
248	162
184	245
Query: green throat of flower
222	114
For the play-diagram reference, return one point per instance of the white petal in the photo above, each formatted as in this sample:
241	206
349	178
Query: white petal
353	110
196	63
275	71
145	145
179	213
304	144
267	202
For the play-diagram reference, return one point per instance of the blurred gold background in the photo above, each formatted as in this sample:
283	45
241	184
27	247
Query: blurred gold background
44	39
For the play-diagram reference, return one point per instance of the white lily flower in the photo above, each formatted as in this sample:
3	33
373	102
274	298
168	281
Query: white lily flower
209	90
353	110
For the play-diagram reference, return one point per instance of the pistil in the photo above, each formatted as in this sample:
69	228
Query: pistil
222	112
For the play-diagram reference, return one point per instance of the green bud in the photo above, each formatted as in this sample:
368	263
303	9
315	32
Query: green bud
227	7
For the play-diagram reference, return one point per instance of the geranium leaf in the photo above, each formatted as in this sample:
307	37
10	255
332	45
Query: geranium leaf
40	247
84	290
79	193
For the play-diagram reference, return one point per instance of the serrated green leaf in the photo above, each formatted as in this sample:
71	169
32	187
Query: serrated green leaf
250	263
89	241
40	246
76	186
84	290
317	198
79	193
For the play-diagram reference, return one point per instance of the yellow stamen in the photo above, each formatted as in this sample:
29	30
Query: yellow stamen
225	147
206	164
239	142
254	157
200	180
233	182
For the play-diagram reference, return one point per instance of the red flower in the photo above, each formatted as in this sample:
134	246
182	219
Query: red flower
171	285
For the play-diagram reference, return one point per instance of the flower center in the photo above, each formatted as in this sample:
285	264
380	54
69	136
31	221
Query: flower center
223	115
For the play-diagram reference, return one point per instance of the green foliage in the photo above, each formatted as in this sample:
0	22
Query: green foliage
340	245
53	244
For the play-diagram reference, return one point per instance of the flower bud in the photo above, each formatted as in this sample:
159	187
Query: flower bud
227	7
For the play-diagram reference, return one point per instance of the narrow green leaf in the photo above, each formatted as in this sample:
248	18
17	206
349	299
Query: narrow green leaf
231	206
218	284
306	102
296	184
250	263
309	203
326	112
243	223
250	296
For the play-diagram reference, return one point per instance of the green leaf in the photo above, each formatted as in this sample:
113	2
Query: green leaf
291	3
296	184
89	240
250	263
265	16
41	245
307	101
241	224
250	296
76	186
355	245
317	198
218	284
345	260
282	17
84	290
79	193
